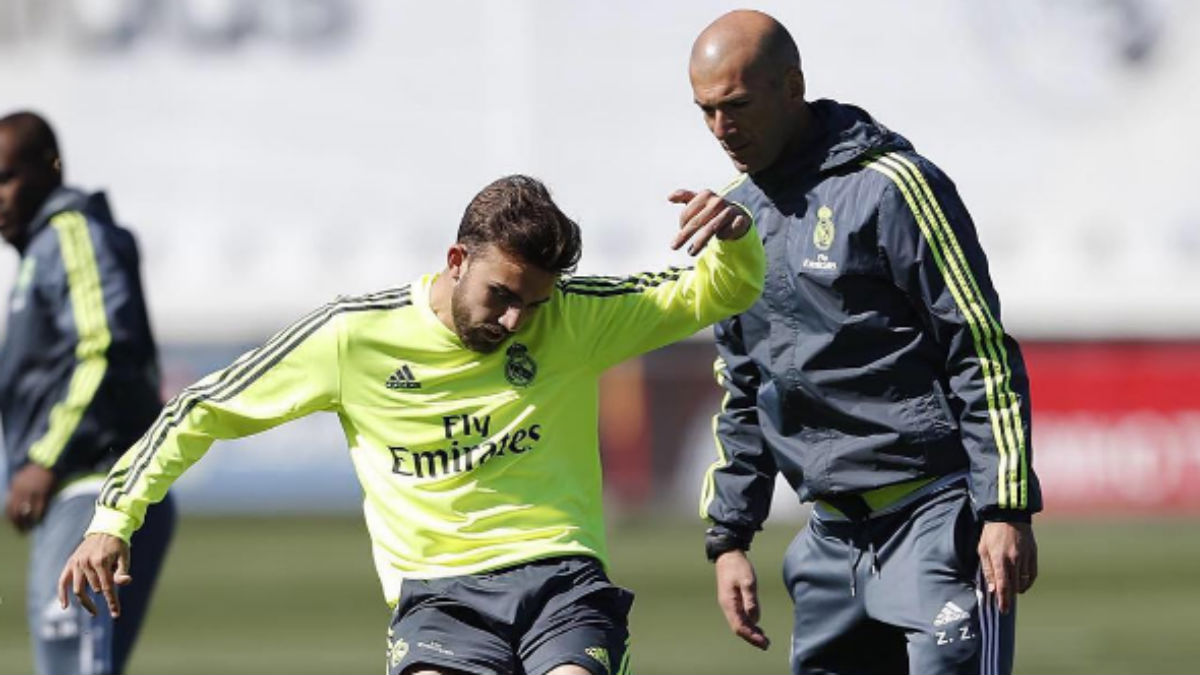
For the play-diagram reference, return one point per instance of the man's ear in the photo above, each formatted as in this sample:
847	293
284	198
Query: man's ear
795	85
456	260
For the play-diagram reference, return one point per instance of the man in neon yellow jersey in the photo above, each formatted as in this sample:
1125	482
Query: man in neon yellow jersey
469	402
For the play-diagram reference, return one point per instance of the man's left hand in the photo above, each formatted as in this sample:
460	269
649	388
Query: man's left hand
704	215
28	493
1008	556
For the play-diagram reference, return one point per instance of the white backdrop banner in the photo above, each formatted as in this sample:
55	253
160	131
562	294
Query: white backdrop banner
274	153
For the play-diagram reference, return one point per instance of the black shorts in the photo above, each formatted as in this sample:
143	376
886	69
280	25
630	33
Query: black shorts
520	620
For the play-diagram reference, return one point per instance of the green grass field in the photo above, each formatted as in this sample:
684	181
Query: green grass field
299	595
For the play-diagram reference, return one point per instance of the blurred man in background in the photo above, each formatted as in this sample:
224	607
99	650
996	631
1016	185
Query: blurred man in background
469	402
873	373
78	383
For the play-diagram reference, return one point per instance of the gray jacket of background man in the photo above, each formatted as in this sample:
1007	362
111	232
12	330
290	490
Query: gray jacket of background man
875	355
79	379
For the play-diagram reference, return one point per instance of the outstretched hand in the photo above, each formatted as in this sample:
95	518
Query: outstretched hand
706	215
102	563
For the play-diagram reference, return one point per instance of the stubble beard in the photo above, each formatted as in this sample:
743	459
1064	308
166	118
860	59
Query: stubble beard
476	337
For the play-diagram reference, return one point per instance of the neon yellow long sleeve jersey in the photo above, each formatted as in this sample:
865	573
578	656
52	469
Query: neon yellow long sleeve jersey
468	461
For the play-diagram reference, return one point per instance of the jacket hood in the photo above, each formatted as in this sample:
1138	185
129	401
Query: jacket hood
848	134
70	199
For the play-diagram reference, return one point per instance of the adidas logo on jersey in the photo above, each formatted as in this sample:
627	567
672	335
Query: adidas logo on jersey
403	378
949	614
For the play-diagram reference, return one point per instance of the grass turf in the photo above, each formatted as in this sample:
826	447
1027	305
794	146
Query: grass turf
299	595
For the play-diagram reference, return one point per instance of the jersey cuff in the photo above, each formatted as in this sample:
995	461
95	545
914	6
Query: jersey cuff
744	245
111	521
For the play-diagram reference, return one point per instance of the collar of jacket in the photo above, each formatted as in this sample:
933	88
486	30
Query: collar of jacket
67	199
847	134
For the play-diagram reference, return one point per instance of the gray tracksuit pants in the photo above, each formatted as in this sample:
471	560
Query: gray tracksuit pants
70	640
896	593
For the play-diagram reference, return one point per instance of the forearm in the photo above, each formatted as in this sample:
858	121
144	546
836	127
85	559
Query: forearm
730	275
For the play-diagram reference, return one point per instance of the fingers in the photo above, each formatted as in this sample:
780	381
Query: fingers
729	604
108	588
35	508
704	226
741	611
737	594
93	577
750	607
102	568
1028	566
749	613
1004	563
985	565
1006	583
735	229
707	215
64	584
1000	575
698	212
681	196
77	586
99	569
19	510
122	576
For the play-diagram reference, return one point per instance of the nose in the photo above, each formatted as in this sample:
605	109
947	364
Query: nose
723	125
511	319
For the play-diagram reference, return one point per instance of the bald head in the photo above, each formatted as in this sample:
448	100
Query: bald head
34	142
748	41
29	171
745	72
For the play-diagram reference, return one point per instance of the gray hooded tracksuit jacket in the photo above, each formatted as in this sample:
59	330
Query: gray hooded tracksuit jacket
79	379
876	355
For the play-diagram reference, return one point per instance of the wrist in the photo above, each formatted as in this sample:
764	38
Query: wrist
719	540
1006	516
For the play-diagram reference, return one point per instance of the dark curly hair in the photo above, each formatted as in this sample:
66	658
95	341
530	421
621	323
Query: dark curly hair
517	214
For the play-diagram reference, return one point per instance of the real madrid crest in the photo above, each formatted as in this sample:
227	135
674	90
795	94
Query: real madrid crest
823	233
399	651
519	367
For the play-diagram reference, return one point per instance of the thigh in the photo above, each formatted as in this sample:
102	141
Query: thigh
931	582
64	640
580	617
591	631
434	628
832	632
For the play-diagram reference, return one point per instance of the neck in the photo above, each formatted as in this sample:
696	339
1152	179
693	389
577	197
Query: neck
805	130
440	293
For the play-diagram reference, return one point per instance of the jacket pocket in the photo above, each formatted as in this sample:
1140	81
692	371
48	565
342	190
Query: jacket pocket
927	417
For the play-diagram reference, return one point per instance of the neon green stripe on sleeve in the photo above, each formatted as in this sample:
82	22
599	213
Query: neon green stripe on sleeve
87	305
733	184
709	489
955	273
624	667
1018	471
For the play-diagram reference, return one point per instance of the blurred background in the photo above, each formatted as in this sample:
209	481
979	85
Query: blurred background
271	154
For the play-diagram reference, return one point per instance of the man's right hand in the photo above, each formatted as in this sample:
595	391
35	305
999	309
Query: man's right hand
102	563
737	594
